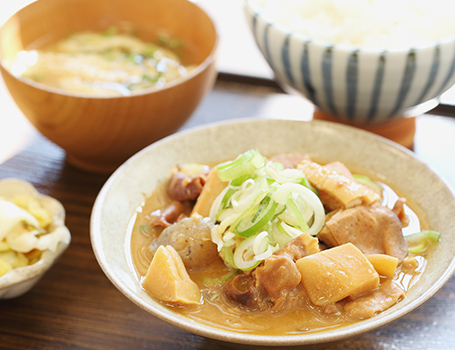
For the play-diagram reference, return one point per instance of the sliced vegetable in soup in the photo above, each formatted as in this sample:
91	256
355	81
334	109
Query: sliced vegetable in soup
109	63
279	245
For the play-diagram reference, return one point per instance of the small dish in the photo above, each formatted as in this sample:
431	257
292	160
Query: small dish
20	280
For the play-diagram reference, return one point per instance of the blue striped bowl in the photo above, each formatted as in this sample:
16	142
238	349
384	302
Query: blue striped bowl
358	86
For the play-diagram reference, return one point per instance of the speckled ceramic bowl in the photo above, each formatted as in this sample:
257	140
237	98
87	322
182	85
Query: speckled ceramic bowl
324	141
20	280
358	86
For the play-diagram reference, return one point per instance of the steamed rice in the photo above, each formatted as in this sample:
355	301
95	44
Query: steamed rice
373	24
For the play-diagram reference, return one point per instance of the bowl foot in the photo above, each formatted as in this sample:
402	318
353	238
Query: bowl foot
400	130
92	167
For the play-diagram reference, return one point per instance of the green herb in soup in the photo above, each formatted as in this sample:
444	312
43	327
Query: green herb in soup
277	246
105	64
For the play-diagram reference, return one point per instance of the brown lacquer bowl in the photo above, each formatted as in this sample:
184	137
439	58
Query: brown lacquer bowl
139	176
99	133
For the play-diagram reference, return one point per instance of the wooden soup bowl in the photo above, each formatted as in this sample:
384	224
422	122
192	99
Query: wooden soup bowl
99	133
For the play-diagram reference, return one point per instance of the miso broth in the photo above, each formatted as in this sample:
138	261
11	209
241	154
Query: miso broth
216	310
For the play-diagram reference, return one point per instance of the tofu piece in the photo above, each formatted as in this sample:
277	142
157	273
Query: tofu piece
167	279
334	274
336	189
212	188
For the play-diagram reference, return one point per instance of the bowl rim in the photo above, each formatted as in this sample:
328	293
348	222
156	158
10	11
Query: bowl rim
254	6
199	69
202	329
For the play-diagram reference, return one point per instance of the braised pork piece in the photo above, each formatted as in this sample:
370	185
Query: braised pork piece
285	246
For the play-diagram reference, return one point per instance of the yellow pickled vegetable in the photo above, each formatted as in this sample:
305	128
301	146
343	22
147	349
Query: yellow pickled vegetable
33	206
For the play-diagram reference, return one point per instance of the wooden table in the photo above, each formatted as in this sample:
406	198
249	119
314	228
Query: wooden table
76	307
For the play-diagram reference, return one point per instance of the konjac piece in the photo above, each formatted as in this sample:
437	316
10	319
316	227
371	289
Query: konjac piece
191	238
334	274
336	190
168	281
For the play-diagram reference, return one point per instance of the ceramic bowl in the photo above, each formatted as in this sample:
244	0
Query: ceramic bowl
361	151
354	85
20	280
99	133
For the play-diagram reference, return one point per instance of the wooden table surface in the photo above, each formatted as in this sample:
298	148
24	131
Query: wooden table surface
74	306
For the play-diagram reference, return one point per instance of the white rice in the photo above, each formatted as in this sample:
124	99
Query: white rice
373	24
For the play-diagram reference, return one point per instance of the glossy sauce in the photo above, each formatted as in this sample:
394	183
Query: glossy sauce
217	311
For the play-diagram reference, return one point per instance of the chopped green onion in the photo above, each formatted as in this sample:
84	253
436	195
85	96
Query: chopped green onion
149	50
297	214
282	193
307	184
418	241
228	255
365	180
145	229
244	255
154	79
263	207
245	164
226	197
111	31
247	228
223	279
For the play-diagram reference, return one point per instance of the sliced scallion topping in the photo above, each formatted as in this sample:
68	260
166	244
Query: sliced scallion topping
263	207
250	226
418	241
365	180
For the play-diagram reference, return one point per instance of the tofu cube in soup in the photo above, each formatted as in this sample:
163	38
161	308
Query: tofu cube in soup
334	274
168	281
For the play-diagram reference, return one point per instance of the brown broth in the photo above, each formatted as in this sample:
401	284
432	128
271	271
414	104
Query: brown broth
218	312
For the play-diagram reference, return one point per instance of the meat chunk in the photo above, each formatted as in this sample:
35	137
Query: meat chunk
187	181
299	247
337	190
242	290
373	303
191	238
276	281
341	168
168	216
289	160
398	209
373	229
276	277
268	287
